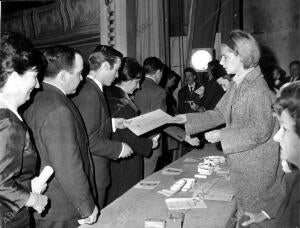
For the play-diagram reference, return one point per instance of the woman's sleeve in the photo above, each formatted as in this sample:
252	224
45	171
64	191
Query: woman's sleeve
12	139
199	122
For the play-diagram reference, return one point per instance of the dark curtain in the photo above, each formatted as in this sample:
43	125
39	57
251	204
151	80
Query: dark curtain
211	16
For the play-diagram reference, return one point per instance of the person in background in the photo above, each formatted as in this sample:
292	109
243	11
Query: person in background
213	92
220	75
278	76
169	82
294	71
125	173
287	108
104	64
188	100
247	137
149	98
62	143
20	64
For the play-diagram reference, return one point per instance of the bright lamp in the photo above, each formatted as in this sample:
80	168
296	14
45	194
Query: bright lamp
200	58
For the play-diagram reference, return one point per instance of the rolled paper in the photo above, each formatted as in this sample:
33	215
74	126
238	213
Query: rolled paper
45	174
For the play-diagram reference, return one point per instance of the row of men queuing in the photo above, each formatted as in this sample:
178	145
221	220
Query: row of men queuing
75	131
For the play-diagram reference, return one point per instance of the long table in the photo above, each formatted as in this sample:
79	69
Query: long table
133	207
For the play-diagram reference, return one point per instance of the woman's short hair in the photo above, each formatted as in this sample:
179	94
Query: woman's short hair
130	69
101	54
17	54
243	44
289	99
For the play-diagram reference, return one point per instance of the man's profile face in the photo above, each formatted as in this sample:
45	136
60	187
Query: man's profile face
74	77
112	73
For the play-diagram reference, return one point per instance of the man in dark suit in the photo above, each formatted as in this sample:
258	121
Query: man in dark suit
62	143
149	98
104	63
188	100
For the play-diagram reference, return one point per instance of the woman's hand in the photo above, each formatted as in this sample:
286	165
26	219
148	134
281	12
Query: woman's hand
213	136
37	201
192	141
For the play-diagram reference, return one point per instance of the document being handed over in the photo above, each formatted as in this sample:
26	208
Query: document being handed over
148	121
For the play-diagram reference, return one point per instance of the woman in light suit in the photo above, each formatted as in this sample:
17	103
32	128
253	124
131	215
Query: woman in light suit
246	110
19	69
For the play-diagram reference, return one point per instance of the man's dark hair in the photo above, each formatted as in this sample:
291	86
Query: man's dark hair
189	69
101	54
152	64
59	58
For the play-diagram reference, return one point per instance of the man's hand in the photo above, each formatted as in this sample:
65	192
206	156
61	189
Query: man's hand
91	219
254	218
213	136
155	141
180	119
192	141
126	151
119	123
37	202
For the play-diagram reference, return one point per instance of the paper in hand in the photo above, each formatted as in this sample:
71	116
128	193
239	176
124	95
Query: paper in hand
147	122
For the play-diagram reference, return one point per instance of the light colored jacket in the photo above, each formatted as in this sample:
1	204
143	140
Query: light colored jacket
247	139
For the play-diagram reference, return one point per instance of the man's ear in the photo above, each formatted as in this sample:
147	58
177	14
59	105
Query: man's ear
105	66
62	76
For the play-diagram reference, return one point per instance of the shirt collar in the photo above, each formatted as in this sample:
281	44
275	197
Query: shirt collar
239	78
55	87
97	82
150	78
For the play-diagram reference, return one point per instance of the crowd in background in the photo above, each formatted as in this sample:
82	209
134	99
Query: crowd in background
76	125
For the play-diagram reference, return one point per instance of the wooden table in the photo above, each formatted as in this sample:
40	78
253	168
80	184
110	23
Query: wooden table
133	207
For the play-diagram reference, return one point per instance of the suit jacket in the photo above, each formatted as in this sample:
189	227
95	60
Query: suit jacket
17	165
213	93
150	97
286	212
125	173
62	143
247	139
94	110
185	95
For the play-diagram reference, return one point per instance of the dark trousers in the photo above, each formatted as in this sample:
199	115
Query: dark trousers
101	197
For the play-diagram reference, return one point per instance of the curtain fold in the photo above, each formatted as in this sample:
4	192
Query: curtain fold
150	37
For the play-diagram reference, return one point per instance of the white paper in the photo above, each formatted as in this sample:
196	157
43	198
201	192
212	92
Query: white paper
171	171
147	185
184	203
149	121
